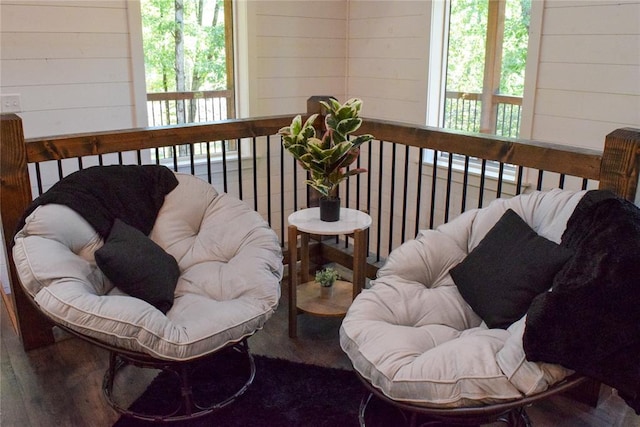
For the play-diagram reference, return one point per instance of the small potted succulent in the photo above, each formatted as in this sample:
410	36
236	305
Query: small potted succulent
326	278
327	158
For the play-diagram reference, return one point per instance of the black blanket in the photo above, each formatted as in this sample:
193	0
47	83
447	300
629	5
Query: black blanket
590	321
101	194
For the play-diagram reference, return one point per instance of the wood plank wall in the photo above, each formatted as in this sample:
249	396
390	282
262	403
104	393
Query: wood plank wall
589	71
297	49
71	63
388	58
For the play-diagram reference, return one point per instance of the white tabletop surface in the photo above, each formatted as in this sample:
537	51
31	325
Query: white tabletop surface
308	220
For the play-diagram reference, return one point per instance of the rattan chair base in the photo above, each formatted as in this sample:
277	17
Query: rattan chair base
511	413
188	408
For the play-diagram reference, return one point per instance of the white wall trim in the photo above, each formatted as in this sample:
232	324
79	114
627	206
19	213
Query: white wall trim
241	28
139	83
436	71
531	70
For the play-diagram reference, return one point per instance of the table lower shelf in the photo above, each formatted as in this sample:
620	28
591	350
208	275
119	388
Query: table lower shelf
310	301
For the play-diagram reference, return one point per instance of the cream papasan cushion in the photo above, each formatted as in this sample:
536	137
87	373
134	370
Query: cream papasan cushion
415	338
230	264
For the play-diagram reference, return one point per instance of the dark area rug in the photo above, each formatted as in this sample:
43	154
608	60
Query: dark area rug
283	393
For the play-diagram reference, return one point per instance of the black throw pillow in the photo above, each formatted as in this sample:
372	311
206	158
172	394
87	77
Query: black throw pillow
508	268
138	266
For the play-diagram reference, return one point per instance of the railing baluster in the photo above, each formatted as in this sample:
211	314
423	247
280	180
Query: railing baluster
38	178
405	195
208	157
225	178
500	178
346	205
239	162
283	214
511	133
447	195
516	133
347	192
392	196
380	173
419	190
539	185
175	158
255	176
358	181
520	176
474	126
465	184
434	182
483	174
269	193
295	184
192	162
369	163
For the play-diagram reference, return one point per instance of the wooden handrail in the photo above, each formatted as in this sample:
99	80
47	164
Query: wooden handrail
91	144
475	96
540	155
175	96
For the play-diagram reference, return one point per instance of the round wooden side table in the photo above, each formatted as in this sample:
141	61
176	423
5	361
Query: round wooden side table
302	297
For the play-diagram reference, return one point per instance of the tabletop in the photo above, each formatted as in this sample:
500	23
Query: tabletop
308	221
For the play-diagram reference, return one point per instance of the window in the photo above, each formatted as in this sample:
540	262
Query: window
485	46
188	50
478	57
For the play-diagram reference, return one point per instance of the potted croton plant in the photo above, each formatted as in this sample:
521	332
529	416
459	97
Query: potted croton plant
328	156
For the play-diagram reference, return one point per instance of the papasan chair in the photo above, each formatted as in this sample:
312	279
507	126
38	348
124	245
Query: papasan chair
155	266
458	326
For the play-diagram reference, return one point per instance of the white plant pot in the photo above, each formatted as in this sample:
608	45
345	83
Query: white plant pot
326	291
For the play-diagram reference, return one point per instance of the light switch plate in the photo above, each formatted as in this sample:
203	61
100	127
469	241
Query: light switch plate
10	103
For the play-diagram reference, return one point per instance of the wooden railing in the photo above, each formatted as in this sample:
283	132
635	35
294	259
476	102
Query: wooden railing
170	108
463	111
413	180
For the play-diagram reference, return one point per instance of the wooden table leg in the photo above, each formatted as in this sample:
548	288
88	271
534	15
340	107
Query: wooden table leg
359	260
304	257
293	280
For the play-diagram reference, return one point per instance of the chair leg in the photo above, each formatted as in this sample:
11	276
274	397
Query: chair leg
186	390
516	418
107	384
363	408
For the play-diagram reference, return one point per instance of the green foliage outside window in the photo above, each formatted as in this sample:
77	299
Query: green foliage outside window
514	46
467	38
203	34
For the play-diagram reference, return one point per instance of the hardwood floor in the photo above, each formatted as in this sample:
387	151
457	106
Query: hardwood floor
61	385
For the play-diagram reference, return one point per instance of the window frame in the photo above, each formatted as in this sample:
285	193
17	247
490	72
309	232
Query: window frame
436	88
193	96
